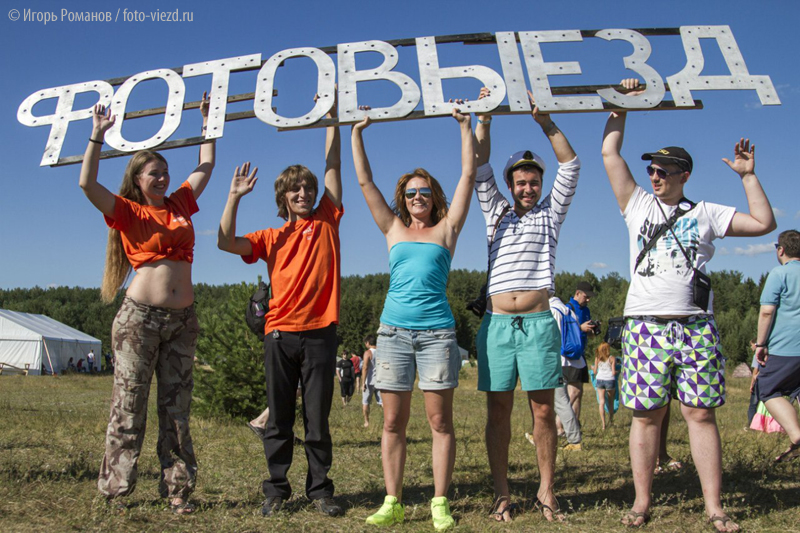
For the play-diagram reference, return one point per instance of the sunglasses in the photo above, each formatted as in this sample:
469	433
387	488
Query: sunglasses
660	172
424	191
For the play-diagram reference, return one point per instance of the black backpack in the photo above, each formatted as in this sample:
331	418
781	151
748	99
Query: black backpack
614	331
257	307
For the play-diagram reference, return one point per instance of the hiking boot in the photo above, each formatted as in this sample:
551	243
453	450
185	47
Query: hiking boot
271	505
327	506
573	447
440	511
391	512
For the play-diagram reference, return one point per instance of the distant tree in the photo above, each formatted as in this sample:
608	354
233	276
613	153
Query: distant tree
229	376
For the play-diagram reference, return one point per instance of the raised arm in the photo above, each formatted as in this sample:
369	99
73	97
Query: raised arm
561	147
333	160
761	219
622	182
459	207
199	177
241	185
101	198
483	139
381	212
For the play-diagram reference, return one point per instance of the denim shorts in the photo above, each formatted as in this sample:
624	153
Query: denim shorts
401	353
607	384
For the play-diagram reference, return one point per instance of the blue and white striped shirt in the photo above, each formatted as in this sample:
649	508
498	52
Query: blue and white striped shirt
523	254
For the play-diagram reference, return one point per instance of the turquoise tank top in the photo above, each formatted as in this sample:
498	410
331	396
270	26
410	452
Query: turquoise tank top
417	281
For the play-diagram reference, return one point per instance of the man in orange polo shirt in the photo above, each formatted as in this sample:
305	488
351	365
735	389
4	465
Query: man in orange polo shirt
300	341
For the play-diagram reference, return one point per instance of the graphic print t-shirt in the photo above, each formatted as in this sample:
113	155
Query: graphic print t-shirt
662	283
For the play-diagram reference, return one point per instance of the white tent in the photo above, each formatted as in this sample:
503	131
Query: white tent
36	340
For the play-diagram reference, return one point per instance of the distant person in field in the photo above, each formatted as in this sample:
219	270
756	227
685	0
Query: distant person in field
606	378
670	341
755	368
417	334
155	330
356	360
778	343
346	374
90	361
561	403
303	263
369	390
576	372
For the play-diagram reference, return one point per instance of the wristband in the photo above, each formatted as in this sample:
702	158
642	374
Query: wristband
761	345
487	121
95	141
549	129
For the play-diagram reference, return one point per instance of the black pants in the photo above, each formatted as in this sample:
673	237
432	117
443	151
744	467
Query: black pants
753	407
308	357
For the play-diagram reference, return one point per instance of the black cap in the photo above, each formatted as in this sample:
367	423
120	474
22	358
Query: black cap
586	287
672	154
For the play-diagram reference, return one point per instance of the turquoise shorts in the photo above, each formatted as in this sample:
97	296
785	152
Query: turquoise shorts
525	346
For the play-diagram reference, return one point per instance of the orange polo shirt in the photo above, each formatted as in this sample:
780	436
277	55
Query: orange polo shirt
152	233
304	266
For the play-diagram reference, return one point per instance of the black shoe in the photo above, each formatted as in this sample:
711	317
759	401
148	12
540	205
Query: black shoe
260	432
271	505
327	506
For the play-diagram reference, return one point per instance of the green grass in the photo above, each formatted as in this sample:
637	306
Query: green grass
51	443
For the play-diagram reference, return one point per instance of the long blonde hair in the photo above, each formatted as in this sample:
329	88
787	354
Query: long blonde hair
117	267
603	352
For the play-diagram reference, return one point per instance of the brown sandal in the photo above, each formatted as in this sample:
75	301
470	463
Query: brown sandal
724	520
630	518
790	454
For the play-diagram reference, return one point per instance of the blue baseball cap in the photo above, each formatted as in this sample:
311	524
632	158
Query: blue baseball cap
520	159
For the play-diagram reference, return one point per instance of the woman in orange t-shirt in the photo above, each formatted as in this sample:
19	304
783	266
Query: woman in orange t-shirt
156	327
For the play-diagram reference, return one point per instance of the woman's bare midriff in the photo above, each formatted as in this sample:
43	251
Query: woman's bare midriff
164	283
519	302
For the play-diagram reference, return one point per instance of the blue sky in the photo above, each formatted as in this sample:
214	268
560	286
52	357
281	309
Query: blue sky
51	235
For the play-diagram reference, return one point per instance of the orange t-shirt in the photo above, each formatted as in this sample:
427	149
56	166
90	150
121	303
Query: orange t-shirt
152	233
304	268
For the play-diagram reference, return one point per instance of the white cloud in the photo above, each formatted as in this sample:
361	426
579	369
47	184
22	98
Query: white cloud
797	215
52	286
754	249
778	212
723	251
598	265
206	232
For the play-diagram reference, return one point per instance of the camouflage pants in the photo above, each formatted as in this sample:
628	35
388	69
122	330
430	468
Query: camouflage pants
149	339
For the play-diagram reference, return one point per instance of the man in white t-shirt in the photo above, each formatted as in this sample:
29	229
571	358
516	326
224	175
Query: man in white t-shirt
670	342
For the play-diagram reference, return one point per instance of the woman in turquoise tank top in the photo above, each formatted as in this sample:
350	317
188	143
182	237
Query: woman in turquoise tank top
417	328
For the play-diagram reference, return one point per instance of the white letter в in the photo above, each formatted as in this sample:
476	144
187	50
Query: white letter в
64	113
172	114
349	76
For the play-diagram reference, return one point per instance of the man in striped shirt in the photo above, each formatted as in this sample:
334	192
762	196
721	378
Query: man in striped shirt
518	337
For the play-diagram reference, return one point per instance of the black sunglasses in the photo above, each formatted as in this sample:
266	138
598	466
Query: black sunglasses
661	172
424	191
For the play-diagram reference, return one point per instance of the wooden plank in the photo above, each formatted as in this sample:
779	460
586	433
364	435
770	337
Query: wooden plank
505	110
324	123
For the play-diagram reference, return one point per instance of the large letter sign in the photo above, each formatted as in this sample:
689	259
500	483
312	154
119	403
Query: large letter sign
509	86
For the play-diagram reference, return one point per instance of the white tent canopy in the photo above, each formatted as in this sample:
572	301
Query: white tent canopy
36	340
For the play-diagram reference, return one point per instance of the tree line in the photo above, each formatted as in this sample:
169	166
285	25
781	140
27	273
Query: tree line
230	376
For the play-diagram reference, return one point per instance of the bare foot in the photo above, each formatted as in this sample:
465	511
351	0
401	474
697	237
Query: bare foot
550	508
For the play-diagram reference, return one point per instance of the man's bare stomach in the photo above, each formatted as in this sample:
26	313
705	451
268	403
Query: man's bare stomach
519	302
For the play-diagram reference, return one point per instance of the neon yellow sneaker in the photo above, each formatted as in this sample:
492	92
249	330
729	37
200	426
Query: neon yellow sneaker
440	510
391	512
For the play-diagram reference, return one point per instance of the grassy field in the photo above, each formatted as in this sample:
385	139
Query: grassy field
51	443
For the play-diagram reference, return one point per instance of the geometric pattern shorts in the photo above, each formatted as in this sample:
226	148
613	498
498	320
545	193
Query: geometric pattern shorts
672	358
